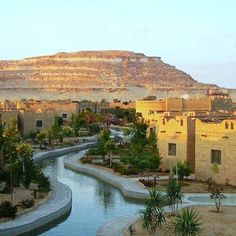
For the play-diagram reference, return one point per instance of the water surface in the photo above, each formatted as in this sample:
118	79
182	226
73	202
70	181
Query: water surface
94	202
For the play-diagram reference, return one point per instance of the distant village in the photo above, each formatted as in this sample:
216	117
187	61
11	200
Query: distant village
36	115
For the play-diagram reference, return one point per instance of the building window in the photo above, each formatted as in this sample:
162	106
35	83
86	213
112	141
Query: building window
232	125
172	149
163	121
215	156
39	124
64	115
226	125
181	122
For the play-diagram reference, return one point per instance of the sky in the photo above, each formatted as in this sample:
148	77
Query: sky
197	36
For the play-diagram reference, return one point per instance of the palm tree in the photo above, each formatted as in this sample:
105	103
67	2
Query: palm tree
187	223
153	216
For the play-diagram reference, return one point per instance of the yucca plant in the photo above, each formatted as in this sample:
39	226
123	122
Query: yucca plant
153	216
187	223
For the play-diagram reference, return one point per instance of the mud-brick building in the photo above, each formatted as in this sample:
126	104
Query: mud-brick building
8	116
30	121
176	141
216	144
177	106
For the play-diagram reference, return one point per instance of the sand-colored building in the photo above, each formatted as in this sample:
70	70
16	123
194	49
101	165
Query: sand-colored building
179	106
176	141
8	116
86	105
30	121
200	131
63	108
216	144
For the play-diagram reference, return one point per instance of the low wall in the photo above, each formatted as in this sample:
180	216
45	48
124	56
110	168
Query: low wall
117	227
58	204
126	186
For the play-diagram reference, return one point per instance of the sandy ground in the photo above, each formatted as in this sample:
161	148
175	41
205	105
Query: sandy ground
187	186
23	194
213	224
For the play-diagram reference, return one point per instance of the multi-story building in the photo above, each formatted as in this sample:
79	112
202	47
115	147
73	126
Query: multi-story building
178	106
176	141
216	144
199	131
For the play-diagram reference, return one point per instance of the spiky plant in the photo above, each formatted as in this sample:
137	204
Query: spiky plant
153	215
187	223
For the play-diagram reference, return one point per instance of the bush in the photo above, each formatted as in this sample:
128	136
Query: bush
183	170
93	151
118	168
28	203
130	171
42	181
7	210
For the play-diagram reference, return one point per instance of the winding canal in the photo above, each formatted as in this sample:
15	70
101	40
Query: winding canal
94	202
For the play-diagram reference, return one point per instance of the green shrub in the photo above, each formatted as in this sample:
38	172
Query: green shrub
42	181
131	171
183	170
7	210
28	203
118	168
93	151
187	223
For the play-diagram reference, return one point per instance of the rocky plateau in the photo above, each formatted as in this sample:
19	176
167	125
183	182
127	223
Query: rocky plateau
95	75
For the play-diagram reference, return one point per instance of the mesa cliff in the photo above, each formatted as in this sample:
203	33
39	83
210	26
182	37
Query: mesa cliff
95	75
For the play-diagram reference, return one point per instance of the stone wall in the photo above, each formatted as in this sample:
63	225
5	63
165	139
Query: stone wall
8	116
27	121
178	131
216	136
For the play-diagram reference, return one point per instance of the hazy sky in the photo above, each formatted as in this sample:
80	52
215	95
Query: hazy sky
198	36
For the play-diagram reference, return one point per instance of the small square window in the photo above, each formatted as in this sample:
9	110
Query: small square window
172	149
39	124
64	115
216	157
232	125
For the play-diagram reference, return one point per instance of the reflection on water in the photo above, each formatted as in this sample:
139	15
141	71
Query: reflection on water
94	202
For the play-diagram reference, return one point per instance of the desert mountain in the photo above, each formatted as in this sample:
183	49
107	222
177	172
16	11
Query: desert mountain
94	75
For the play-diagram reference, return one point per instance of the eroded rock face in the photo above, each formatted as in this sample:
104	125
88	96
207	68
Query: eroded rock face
95	75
